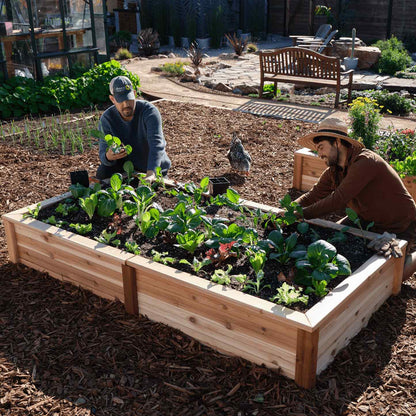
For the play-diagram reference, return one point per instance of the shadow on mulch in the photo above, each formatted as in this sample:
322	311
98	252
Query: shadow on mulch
75	349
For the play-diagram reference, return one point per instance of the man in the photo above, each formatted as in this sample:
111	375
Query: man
360	179
136	123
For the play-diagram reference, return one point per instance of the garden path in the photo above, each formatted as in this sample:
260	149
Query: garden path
159	86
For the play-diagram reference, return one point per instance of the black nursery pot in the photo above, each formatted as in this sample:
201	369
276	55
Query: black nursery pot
218	185
81	177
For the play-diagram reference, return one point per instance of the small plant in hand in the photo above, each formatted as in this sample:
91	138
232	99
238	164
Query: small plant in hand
216	238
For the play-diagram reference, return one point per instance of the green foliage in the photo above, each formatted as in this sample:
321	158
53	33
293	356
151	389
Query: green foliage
355	219
89	204
252	47
123	53
122	39
388	102
132	247
196	264
288	295
268	90
108	237
20	96
176	68
365	115
32	213
320	262
223	277
237	43
292	211
82	229
406	167
216	26
394	56
190	240
162	257
396	144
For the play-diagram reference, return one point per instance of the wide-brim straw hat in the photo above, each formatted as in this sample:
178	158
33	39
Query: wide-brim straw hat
330	127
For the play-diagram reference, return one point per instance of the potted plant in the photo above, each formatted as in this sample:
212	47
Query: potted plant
351	62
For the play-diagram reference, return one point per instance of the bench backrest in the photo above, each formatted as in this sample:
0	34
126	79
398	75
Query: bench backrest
300	62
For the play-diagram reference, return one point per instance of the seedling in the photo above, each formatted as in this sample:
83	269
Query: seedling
132	247
287	295
82	229
162	257
108	237
223	277
32	213
196	264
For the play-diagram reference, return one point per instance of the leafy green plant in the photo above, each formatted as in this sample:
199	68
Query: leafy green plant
320	262
32	213
355	219
132	247
190	240
282	248
225	251
82	229
223	277
65	209
196	264
292	211
252	47
162	257
365	118
288	295
53	221
318	288
268	90
140	201
406	167
108	237
396	144
89	204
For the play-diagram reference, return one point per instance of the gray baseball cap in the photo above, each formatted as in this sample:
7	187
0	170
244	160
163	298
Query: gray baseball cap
122	89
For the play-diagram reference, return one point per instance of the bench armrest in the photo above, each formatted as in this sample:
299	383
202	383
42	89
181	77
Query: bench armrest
347	72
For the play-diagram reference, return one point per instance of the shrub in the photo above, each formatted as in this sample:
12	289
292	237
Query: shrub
176	68
237	43
396	144
394	56
365	118
123	53
148	40
251	48
388	102
122	39
196	55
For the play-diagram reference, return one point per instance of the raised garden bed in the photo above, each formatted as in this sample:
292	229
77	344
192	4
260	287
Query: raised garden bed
299	345
308	167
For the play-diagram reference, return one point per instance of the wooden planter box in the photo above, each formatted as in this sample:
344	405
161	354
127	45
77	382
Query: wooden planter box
300	345
308	168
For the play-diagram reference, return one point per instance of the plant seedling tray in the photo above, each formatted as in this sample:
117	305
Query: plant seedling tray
299	345
218	185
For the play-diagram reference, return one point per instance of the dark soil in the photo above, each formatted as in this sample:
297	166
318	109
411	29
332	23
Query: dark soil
275	273
65	351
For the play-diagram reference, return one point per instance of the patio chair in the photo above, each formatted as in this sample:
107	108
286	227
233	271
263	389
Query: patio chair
321	33
319	46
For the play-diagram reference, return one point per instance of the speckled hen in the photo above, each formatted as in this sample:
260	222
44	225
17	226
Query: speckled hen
240	159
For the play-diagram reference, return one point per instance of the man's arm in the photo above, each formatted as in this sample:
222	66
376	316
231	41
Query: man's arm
360	173
155	138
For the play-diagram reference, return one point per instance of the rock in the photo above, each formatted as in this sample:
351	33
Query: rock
171	55
153	57
209	84
226	55
156	69
162	56
367	56
222	87
80	401
237	91
324	90
246	89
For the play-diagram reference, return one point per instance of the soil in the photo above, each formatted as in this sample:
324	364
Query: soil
65	351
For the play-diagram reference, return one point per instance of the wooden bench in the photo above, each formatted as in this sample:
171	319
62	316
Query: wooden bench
296	65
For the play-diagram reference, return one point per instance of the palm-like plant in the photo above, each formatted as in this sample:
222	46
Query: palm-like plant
148	40
196	55
237	43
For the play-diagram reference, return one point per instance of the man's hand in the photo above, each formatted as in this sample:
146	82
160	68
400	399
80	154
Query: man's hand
110	155
386	245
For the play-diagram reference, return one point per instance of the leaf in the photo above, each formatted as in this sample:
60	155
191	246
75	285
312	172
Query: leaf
343	264
116	181
233	195
303	227
352	215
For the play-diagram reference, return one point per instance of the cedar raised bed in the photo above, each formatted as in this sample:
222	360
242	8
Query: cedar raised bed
308	167
299	345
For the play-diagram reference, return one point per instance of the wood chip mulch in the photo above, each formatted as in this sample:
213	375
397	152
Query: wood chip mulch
65	351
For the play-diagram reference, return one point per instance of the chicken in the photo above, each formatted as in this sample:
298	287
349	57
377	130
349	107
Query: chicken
239	158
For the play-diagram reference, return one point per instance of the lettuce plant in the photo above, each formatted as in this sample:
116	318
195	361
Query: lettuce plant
107	237
281	249
287	295
196	264
89	204
32	213
162	257
82	229
132	247
190	240
223	277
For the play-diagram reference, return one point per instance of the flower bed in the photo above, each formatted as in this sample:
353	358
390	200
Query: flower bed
299	344
308	167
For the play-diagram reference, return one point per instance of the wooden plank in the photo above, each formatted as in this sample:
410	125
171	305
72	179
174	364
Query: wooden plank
95	264
11	240
297	171
130	290
338	332
398	272
234	317
213	334
306	358
174	277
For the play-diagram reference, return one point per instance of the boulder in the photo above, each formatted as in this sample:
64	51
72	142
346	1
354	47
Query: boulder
367	56
246	89
222	87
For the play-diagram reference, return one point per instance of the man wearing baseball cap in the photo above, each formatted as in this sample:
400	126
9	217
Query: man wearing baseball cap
136	123
359	179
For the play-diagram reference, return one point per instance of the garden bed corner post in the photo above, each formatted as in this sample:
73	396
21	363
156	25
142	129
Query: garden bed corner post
130	290
306	358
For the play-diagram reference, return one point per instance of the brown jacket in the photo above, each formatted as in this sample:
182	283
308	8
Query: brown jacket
369	186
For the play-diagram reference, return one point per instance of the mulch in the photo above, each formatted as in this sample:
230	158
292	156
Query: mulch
65	351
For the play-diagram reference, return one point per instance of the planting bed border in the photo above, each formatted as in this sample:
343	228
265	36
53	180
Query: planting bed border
308	167
298	344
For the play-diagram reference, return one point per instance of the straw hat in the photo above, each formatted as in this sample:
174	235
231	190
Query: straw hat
330	127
